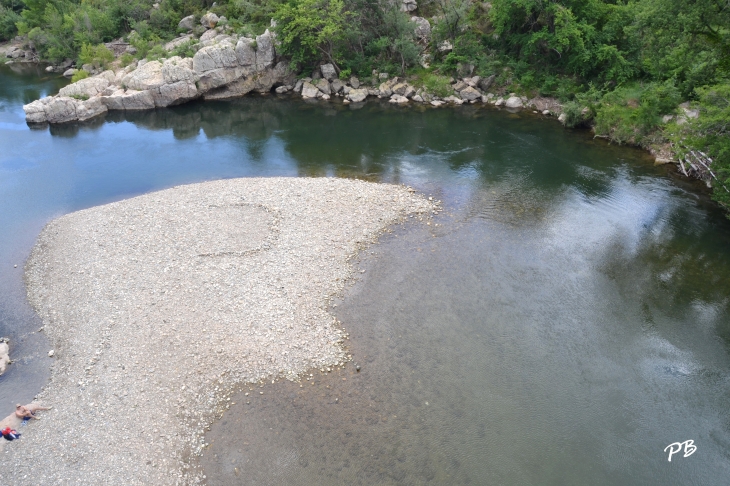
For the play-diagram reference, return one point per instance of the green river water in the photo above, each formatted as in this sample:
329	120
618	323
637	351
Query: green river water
564	323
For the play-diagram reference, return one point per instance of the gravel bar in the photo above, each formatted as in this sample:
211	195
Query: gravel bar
159	307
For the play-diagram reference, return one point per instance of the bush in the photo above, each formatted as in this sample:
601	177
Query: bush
710	133
8	19
186	49
126	59
628	114
437	85
98	56
79	75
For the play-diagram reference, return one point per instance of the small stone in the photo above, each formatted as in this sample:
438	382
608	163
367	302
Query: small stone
357	368
51	353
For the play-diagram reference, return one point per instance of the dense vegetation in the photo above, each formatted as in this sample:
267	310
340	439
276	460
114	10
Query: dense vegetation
620	65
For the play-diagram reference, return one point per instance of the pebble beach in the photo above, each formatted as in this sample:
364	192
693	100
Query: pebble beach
160	307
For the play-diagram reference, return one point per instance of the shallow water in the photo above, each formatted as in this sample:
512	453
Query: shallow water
565	322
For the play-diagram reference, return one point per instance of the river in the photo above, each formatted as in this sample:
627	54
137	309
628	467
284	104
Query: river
562	322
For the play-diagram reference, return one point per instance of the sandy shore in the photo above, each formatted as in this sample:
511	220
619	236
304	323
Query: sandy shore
160	306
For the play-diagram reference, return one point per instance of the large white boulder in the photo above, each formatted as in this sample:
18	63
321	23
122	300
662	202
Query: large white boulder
62	109
187	23
423	28
408	5
513	102
129	100
148	76
357	95
209	20
85	88
260	82
328	72
90	108
309	90
265	53
178	69
175	93
470	94
245	52
215	57
220	77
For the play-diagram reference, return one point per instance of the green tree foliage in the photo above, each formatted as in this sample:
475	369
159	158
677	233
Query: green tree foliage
79	75
710	133
98	56
309	29
9	16
579	37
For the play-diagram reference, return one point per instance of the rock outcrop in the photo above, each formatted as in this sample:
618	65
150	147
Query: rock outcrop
61	109
228	66
223	69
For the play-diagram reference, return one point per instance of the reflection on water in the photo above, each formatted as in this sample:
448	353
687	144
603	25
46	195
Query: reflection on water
566	321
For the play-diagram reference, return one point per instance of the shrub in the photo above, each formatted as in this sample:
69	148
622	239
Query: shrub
710	133
126	59
98	56
186	49
574	115
8	19
437	85
157	52
79	75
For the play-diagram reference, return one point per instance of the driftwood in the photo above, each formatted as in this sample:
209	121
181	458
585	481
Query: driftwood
698	164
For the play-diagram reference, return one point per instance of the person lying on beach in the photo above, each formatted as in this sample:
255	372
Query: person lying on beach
16	419
27	412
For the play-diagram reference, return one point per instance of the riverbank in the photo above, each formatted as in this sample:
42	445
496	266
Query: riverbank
159	306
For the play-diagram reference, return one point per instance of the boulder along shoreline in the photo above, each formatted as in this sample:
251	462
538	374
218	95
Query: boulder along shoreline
227	66
159	307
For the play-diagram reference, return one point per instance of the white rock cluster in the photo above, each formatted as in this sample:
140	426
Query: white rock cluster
224	67
398	91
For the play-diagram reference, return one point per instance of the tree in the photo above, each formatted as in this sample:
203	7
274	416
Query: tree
308	29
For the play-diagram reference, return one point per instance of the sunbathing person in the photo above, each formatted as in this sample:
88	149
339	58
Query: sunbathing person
27	412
